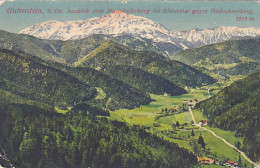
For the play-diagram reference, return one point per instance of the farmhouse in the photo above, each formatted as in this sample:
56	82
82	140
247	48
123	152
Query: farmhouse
230	163
205	160
192	102
203	122
173	110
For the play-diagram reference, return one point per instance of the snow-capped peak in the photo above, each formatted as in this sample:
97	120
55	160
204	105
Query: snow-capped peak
219	34
114	23
118	23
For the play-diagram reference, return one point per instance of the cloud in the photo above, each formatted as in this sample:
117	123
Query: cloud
3	1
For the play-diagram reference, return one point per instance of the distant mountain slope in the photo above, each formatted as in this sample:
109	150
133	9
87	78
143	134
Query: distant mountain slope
222	53
240	69
236	108
33	80
201	37
73	50
28	44
178	73
226	59
110	53
143	80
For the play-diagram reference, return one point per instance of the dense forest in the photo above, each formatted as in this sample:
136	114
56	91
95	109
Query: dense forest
236	108
34	134
34	80
63	86
179	73
143	80
35	137
111	54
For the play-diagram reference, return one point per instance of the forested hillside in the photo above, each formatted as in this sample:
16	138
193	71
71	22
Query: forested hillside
236	108
143	80
179	73
30	45
110	54
34	79
73	50
115	94
99	50
34	137
222	53
226	59
31	79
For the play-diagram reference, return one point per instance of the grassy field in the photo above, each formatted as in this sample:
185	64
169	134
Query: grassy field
146	116
198	115
227	135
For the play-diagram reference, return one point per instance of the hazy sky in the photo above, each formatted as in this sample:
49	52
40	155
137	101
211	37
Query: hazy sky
15	22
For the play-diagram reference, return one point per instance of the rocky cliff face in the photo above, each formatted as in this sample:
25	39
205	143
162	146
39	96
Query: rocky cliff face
119	23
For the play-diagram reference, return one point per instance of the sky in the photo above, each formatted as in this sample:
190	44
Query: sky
12	22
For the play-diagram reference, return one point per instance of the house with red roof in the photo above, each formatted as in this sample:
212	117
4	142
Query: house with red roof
230	163
203	122
205	160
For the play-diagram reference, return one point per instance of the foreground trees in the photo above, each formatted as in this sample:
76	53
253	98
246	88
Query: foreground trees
34	137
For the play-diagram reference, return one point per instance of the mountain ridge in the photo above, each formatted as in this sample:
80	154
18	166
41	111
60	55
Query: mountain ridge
110	53
126	24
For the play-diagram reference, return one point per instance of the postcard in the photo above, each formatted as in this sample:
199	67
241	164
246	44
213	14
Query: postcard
129	84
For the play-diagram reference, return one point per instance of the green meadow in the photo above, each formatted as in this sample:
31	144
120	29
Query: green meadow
146	116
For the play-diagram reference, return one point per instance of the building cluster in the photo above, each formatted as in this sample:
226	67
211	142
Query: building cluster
209	161
191	103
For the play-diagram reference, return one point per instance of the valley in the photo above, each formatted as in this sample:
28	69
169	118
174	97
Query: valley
146	117
122	91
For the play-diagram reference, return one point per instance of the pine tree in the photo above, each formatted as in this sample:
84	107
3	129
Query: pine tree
238	145
201	141
177	124
239	160
192	133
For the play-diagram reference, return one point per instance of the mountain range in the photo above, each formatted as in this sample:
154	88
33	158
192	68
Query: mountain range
119	23
86	52
110	54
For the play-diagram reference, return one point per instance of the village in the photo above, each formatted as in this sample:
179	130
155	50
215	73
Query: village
202	160
208	161
170	117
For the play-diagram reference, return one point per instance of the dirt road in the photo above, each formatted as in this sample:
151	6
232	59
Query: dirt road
214	134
